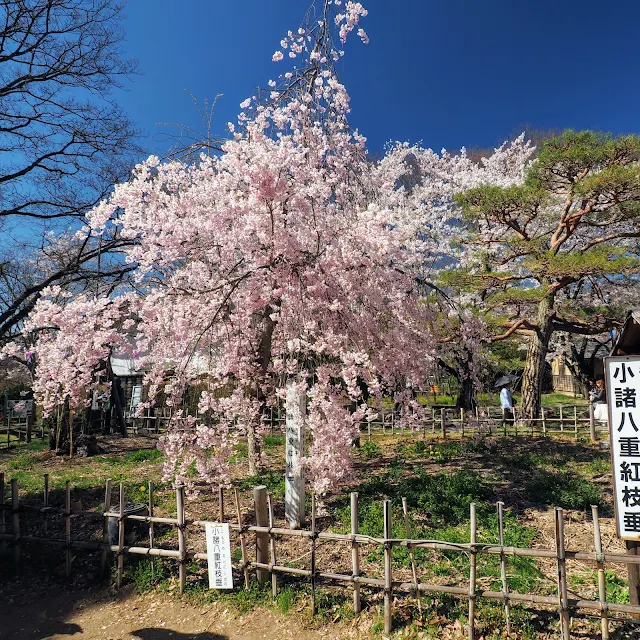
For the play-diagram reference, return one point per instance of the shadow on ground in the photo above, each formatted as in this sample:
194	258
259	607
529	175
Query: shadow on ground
152	633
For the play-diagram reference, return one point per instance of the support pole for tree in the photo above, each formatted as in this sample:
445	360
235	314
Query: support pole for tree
355	553
602	587
388	584
262	539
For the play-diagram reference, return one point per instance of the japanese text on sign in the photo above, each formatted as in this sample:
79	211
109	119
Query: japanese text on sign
219	556
623	394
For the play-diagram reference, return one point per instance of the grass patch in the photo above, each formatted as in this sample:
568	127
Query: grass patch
272	441
143	455
561	489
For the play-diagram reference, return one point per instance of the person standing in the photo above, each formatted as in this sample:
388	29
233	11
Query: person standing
506	402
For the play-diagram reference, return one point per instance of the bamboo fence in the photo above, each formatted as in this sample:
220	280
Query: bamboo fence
265	536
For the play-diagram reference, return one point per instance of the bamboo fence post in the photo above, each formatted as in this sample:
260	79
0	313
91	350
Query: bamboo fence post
504	422
3	543
462	421
387	568
151	532
105	526
45	502
575	422
221	502
433	421
243	546
565	632
272	549
561	419
67	528
544	421
472	573
121	539
71	433
314	535
262	539
182	546
15	520
407	526
443	423
369	429
592	423
355	553
602	588
503	567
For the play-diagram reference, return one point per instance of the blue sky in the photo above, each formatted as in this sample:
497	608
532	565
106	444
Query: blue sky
447	72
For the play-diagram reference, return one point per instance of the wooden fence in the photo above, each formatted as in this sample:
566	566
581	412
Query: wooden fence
264	535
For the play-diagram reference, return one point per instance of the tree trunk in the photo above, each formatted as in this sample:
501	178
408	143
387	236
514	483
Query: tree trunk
467	396
536	358
263	357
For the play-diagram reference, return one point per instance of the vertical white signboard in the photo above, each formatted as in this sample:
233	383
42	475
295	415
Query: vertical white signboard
294	478
623	397
219	556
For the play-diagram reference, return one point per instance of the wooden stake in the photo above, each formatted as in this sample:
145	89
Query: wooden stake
67	528
407	526
472	573
243	547
262	539
182	545
121	539
503	566
544	421
462	421
221	503
105	526
151	537
313	554
443	423
563	597
355	553
272	548
575	422
561	419
15	520
602	588
592	424
388	590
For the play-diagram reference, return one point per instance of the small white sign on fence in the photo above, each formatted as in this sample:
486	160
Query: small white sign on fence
219	556
623	399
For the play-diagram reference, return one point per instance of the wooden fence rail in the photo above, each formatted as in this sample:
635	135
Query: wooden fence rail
267	568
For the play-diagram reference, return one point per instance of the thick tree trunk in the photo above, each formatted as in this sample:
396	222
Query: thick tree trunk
536	358
467	397
263	358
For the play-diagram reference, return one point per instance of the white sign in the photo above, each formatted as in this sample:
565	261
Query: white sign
623	398
294	477
219	556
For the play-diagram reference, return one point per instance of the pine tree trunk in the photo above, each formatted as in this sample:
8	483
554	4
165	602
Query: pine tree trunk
536	358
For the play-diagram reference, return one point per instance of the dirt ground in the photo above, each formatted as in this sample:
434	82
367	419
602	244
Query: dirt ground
39	612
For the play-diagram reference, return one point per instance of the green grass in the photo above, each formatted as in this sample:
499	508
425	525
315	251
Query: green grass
143	455
561	489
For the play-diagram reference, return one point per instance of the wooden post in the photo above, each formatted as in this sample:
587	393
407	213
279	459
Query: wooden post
472	573
503	567
151	536
355	553
67	528
387	568
262	539
272	549
602	588
3	543
592	424
443	423
504	422
407	526
433	421
15	520
575	422
462	421
563	598
544	421
221	503
314	535
121	539
105	526
182	545
29	425
561	419
243	546
633	549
